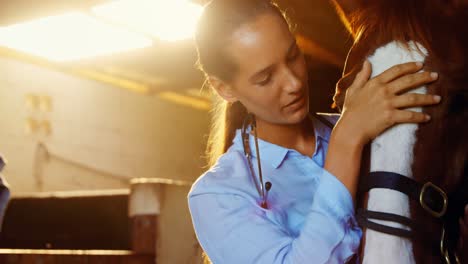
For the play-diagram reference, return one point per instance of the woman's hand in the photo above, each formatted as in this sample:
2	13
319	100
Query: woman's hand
372	106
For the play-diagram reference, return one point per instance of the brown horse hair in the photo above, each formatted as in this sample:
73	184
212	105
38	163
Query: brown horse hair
440	153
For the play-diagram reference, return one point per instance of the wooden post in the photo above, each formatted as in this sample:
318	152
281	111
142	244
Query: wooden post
144	209
147	196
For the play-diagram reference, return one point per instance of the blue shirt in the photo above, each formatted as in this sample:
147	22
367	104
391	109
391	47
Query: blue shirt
4	192
310	215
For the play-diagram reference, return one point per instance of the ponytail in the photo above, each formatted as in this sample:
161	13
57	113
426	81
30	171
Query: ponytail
227	117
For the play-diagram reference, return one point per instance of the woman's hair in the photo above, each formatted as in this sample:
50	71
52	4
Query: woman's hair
219	20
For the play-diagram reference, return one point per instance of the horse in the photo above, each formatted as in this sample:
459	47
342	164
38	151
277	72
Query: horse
418	181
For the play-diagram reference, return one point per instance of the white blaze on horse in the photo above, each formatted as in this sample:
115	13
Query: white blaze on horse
417	185
392	151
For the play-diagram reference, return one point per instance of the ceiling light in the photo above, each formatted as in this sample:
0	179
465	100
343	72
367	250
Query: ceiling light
69	36
168	20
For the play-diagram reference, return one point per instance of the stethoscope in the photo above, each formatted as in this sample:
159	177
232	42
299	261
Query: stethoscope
261	188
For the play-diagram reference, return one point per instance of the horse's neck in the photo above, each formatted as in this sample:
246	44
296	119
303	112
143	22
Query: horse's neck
392	151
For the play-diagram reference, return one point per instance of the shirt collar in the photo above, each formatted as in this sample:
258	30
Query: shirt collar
273	153
269	152
321	130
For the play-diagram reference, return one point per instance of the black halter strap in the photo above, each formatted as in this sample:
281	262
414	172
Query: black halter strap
430	197
363	218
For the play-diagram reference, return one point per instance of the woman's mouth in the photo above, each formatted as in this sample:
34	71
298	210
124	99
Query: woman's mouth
296	103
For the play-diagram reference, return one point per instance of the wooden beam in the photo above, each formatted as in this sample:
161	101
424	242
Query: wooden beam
318	52
113	80
27	256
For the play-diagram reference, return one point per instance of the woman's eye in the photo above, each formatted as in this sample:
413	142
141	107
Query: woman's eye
264	81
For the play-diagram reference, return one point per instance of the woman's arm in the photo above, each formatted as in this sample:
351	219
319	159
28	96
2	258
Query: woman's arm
233	229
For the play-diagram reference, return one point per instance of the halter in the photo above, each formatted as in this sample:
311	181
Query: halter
430	197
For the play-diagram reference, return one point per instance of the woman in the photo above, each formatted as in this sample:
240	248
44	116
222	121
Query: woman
291	199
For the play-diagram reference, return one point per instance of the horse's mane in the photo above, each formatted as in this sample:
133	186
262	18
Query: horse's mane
440	27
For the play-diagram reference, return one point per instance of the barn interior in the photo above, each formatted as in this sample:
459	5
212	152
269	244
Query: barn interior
104	122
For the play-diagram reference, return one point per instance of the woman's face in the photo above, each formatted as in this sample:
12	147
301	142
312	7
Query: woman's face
271	77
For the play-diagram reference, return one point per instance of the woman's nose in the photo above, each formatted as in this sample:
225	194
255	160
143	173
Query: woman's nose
292	82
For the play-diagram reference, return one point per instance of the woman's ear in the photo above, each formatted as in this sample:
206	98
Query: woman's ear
223	89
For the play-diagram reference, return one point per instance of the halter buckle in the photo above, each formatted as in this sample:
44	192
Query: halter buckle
426	207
